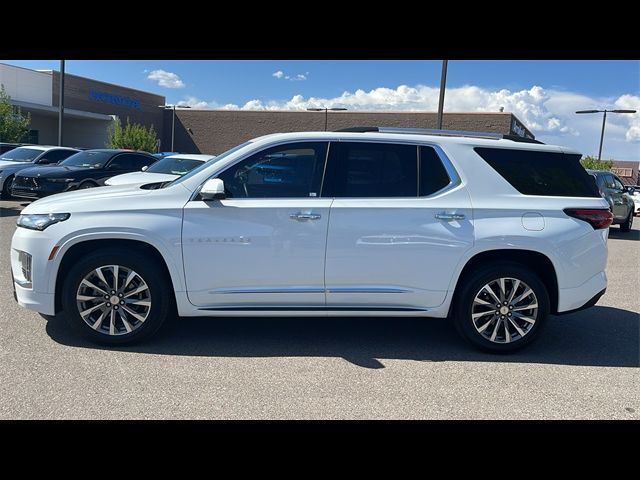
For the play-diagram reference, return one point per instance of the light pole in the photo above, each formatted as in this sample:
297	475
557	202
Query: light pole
173	119
604	121
61	104
326	113
443	83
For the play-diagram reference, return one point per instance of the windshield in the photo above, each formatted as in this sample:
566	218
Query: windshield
21	155
195	171
87	159
174	166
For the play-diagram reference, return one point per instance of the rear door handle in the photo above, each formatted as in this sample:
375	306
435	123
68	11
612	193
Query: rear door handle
449	217
304	216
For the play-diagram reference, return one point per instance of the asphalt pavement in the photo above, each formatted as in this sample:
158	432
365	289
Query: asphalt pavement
584	366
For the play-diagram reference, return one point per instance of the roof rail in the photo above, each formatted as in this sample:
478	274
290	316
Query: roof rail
443	133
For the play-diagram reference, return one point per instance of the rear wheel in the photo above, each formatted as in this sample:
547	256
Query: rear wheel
501	308
5	194
115	297
626	226
84	186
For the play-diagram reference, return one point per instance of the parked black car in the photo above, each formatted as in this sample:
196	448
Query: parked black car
618	195
86	169
28	156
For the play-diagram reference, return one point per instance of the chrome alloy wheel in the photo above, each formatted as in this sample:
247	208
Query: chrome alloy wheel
504	310
113	300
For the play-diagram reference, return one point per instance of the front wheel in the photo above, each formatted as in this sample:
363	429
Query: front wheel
501	308
115	297
626	226
5	194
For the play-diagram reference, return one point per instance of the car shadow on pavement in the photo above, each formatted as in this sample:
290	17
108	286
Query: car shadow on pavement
600	336
618	235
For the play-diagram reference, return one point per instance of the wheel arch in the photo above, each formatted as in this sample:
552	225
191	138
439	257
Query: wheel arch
538	262
80	248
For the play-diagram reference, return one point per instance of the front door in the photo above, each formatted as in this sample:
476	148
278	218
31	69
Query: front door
620	199
399	224
264	245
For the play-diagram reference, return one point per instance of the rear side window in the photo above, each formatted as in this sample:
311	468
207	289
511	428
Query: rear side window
433	176
361	170
541	173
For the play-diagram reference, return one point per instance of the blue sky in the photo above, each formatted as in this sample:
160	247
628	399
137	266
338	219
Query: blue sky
543	94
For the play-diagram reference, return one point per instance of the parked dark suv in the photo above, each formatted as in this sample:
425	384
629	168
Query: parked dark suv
619	197
86	169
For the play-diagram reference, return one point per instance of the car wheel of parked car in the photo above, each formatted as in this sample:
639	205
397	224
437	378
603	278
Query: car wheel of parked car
501	307
628	223
84	186
5	194
115	297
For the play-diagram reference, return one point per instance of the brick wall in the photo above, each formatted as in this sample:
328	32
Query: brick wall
214	131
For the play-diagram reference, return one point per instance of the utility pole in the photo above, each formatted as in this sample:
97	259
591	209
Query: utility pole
61	104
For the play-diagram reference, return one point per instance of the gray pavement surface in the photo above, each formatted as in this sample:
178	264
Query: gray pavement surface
585	365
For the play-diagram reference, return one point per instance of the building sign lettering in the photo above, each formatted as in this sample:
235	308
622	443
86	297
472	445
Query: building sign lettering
105	97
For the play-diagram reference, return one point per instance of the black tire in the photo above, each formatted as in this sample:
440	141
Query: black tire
471	286
5	194
626	225
86	185
160	288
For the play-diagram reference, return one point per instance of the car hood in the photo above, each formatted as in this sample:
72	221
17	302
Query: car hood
6	163
99	198
52	172
140	178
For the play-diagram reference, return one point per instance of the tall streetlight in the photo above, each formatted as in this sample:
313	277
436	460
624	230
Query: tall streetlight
604	121
326	113
443	84
173	119
61	104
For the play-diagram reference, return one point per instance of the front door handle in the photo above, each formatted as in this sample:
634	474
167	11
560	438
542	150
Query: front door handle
449	217
304	216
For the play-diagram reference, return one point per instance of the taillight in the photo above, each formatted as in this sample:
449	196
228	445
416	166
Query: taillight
597	218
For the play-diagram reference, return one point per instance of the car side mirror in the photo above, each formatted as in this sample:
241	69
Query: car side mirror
46	161
629	189
213	189
144	169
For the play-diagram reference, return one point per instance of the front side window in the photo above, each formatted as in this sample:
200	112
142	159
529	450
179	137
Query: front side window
293	170
373	170
130	162
617	184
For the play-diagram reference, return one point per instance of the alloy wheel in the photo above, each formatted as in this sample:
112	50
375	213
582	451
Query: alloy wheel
113	300
504	310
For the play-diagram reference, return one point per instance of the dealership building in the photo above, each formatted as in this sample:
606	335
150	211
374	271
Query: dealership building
91	106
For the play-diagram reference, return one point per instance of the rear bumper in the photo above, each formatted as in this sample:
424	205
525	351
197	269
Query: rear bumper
589	304
572	299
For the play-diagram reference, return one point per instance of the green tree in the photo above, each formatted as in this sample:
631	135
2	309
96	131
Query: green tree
14	125
593	163
132	136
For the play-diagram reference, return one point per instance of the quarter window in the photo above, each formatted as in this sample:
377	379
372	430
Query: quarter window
433	175
374	170
293	170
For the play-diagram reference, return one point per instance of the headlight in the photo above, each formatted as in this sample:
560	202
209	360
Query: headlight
60	180
41	221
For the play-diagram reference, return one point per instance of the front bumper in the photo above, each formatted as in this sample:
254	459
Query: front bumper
40	191
40	297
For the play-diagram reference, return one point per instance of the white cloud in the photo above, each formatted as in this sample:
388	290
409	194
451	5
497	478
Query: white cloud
549	114
292	78
166	79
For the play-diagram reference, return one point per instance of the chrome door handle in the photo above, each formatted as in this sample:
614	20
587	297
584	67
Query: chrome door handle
304	216
449	217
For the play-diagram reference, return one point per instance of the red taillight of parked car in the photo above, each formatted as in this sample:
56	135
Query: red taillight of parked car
597	218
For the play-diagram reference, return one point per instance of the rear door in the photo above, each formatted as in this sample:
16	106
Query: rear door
399	223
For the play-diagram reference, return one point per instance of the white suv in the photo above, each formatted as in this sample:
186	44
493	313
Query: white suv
492	232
